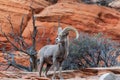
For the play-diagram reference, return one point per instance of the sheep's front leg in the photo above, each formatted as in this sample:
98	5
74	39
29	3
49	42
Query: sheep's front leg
60	72
55	68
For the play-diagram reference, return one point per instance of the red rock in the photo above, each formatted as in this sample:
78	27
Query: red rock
86	18
15	9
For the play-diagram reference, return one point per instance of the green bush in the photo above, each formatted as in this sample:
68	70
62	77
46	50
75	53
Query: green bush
92	51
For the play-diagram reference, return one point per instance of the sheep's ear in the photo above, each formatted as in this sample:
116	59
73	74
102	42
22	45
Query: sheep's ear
59	26
59	30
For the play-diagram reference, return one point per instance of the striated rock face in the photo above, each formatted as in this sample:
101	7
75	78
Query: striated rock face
86	18
15	9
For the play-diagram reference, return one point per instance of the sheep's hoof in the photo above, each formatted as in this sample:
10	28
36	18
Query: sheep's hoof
61	78
45	75
53	78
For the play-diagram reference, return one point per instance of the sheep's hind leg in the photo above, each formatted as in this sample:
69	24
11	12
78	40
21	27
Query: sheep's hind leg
54	74
41	66
60	72
47	69
55	64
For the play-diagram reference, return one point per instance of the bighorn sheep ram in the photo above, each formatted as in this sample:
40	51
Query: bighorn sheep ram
55	54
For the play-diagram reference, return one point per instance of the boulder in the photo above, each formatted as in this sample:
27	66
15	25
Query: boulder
108	76
115	4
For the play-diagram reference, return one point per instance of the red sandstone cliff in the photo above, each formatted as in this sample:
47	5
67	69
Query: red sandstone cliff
86	18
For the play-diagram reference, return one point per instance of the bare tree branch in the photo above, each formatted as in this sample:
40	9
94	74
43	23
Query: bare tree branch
18	42
12	27
12	42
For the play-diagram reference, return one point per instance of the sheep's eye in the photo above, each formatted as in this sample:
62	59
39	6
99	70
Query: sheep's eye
59	35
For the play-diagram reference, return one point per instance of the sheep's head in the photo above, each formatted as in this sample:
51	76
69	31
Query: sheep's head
61	38
62	34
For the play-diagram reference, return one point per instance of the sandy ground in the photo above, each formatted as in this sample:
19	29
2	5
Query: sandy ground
84	74
68	75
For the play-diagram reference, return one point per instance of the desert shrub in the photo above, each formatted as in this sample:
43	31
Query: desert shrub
98	2
92	51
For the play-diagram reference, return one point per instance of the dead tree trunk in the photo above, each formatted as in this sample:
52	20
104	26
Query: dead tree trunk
22	45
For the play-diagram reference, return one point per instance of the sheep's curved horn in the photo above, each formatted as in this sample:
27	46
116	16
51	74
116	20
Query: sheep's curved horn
69	28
